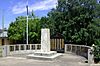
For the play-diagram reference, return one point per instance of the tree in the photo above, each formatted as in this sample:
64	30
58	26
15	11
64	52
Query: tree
75	19
17	30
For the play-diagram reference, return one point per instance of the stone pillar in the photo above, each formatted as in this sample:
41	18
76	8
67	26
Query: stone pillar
8	49
45	40
4	51
65	48
90	56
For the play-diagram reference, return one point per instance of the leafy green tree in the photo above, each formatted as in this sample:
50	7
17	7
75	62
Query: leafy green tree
17	30
45	22
75	19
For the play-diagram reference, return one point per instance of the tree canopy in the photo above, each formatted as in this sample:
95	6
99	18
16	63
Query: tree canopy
77	20
17	30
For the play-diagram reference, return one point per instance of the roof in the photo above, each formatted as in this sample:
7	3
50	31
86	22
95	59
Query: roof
57	35
3	33
0	30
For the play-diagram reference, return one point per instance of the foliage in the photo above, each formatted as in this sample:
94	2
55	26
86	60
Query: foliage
17	30
96	53
76	20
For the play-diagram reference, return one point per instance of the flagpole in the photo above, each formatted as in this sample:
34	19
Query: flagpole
3	22
27	24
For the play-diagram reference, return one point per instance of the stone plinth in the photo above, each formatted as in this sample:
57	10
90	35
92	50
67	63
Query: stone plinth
47	56
45	40
45	52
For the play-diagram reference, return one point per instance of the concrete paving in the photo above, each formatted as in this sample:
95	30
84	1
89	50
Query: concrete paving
65	60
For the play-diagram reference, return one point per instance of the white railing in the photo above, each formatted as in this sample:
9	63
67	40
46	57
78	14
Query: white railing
81	50
22	48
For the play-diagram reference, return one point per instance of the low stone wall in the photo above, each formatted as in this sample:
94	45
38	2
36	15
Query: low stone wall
20	49
81	50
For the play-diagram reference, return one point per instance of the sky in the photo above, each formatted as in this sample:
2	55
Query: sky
14	8
11	9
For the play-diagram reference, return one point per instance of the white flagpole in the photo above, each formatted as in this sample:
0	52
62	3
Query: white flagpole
3	23
27	24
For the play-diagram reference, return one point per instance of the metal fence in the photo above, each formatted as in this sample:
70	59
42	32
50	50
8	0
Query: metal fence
81	50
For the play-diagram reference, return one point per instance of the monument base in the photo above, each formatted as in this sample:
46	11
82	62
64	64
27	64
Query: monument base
44	55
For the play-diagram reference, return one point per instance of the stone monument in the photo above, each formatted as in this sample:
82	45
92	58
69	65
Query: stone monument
45	52
45	40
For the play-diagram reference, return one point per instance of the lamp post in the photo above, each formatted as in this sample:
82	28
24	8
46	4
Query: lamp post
27	24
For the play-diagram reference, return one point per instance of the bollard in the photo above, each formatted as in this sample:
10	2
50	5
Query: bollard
4	51
90	56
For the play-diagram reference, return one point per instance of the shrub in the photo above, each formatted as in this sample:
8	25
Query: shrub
96	53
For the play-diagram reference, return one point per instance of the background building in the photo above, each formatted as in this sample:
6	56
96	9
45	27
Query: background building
3	37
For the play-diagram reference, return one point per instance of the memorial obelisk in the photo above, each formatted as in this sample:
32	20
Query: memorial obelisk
45	40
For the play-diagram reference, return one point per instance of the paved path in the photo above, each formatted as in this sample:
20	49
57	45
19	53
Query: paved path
65	60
